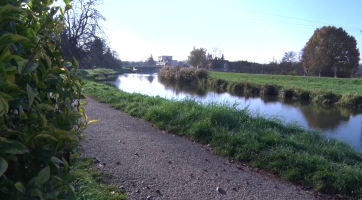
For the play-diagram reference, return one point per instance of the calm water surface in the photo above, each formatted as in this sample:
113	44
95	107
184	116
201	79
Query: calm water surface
343	124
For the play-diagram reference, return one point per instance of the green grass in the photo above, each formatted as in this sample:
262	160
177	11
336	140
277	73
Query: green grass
92	186
322	90
301	156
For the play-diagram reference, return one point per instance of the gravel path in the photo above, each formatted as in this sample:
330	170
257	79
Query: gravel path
148	162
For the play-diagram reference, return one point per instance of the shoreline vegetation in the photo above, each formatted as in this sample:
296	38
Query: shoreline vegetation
321	90
304	157
104	74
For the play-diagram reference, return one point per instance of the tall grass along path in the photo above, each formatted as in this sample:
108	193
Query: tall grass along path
150	163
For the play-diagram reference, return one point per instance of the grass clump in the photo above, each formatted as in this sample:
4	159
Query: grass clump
298	155
92	185
183	75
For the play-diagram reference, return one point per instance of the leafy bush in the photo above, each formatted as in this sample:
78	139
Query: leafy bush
40	106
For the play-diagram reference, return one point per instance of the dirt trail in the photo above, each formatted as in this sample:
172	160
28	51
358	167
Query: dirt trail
150	163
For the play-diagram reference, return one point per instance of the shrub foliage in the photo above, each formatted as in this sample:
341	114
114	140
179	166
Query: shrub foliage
40	103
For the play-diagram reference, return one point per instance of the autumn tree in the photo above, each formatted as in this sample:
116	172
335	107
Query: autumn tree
331	51
198	58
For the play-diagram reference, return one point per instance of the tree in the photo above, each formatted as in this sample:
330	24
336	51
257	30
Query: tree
82	27
289	57
331	51
150	61
198	58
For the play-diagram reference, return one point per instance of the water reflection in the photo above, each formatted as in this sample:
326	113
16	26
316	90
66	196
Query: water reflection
344	124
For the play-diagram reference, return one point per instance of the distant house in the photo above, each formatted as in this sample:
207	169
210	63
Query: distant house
166	60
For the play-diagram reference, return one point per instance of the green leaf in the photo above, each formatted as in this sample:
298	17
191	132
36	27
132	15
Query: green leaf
66	2
47	60
36	192
6	97
2	69
43	120
4	12
20	187
4	107
31	67
30	93
10	78
7	85
6	52
31	34
68	7
3	166
21	135
75	114
45	107
8	39
65	164
12	147
43	176
75	63
56	160
45	136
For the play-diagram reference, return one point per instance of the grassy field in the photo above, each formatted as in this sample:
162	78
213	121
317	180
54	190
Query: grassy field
336	85
298	155
341	92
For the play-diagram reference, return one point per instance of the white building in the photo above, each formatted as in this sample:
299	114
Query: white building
163	60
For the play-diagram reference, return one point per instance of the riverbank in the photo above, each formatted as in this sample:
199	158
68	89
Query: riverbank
103	74
322	90
295	154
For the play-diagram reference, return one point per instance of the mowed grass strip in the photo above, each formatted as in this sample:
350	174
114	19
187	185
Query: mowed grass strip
335	85
298	155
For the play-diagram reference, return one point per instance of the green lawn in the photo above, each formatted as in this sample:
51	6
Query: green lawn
335	85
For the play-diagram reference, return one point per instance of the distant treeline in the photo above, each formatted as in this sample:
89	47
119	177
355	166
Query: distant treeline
257	68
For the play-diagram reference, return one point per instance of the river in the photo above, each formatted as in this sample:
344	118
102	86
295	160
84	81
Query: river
343	124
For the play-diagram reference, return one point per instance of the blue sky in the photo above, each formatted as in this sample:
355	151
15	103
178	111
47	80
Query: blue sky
241	29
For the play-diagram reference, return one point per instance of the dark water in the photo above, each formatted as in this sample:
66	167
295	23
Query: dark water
343	124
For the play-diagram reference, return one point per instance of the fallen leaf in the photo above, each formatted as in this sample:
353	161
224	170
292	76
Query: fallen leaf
158	192
234	189
241	168
206	160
